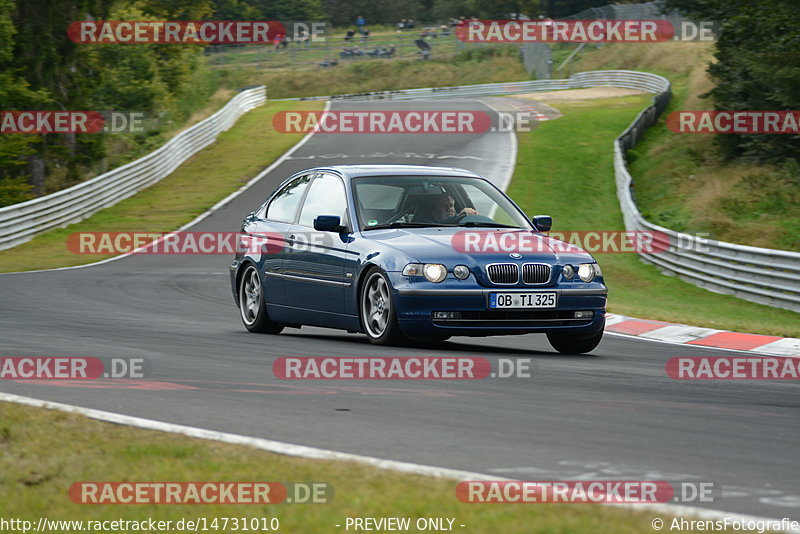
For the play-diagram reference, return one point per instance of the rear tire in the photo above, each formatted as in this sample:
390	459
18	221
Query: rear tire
571	344
378	318
252	305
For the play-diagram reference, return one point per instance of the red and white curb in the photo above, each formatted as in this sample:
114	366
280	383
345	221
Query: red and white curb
534	111
703	337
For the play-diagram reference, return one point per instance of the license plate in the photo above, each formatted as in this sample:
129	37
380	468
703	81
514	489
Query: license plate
522	300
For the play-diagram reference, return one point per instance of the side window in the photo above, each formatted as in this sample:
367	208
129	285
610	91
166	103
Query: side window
284	206
326	197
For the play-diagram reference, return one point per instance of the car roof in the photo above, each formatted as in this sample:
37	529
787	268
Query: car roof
355	171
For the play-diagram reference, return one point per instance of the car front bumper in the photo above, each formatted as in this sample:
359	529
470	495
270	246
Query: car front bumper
415	305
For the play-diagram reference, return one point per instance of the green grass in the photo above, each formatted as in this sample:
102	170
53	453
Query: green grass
478	65
565	169
238	155
45	452
681	181
266	56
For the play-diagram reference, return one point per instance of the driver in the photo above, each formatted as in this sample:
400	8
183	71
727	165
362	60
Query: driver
443	209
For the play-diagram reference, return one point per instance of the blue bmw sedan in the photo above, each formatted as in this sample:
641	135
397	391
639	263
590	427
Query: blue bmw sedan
406	252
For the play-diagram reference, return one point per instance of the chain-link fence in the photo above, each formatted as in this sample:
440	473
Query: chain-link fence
648	11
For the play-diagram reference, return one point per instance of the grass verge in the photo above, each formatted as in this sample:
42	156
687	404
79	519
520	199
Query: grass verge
574	181
209	176
682	182
37	470
472	66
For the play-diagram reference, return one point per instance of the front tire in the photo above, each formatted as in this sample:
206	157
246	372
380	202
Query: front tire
252	305
378	318
571	344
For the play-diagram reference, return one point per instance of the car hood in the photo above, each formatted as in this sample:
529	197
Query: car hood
477	246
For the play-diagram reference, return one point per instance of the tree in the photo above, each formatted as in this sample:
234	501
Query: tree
757	67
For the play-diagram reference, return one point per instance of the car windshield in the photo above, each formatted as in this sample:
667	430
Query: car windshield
430	201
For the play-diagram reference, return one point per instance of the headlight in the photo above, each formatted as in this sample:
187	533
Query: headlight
434	272
586	271
568	271
461	272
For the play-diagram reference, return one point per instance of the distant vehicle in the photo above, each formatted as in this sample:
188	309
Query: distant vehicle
375	249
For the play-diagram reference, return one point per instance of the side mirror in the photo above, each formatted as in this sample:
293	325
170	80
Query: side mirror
543	223
328	223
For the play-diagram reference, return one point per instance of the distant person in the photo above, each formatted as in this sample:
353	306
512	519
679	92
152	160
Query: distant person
360	24
302	38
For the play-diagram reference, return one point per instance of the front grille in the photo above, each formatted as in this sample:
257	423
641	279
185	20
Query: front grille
536	273
503	273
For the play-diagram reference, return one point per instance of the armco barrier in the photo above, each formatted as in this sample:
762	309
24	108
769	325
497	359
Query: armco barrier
21	222
761	275
617	78
756	274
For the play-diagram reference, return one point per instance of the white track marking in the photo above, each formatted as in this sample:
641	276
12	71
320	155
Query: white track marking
314	453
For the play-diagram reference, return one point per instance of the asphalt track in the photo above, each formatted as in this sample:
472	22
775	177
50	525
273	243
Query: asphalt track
613	414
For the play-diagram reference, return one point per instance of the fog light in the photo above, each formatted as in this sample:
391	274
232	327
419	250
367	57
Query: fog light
461	272
587	314
446	315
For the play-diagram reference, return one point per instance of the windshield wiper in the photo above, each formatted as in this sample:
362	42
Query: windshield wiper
405	225
483	224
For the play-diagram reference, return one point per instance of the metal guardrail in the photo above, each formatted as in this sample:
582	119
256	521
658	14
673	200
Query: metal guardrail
617	78
21	222
762	275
